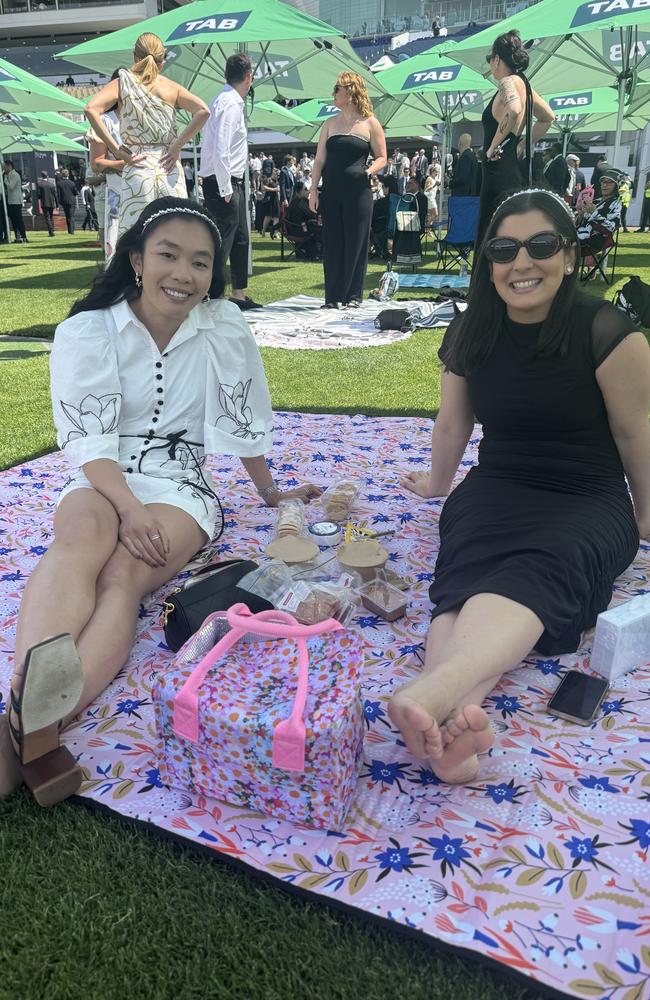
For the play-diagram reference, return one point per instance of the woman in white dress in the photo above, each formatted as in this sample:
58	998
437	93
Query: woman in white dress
108	173
151	371
150	144
431	189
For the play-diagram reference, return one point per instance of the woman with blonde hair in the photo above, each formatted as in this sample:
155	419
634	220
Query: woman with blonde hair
346	140
151	146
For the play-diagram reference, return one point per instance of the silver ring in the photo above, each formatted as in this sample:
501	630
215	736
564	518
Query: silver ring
152	538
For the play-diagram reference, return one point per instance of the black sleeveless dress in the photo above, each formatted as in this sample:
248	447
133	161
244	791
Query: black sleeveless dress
500	177
545	518
346	211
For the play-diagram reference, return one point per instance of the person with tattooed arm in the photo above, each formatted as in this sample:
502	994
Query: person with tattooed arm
505	120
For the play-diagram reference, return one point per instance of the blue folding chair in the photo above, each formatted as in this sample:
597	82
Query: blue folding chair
462	222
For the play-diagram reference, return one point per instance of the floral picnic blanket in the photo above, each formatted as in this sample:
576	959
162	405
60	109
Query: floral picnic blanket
541	865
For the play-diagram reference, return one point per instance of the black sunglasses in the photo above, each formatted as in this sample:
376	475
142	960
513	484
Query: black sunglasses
541	246
337	87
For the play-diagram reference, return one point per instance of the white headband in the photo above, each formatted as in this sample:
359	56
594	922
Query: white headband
184	211
551	194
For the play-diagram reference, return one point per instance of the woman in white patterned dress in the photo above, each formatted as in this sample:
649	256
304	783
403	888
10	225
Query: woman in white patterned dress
151	146
108	171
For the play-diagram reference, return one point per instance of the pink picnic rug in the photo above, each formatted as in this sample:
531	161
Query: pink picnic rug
541	866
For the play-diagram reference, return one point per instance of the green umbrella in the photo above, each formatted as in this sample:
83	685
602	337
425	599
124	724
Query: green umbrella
271	115
293	55
599	43
399	116
21	92
18	143
34	122
440	87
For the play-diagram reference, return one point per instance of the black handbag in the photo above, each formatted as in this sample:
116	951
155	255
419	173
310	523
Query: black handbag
214	588
393	319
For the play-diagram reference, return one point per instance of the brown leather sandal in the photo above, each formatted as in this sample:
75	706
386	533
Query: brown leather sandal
50	688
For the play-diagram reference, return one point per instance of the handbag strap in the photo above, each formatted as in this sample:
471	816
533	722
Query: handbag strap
288	742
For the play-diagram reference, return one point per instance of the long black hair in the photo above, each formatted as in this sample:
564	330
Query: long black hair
477	331
117	282
508	47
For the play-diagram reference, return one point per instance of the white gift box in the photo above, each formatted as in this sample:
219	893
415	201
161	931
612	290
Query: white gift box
622	640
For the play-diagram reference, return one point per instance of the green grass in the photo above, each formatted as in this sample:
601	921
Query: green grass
92	907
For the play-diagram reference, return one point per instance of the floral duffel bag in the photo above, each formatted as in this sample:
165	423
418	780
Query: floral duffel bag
269	718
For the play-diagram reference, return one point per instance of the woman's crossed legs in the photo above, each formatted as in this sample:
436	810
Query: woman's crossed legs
89	585
439	714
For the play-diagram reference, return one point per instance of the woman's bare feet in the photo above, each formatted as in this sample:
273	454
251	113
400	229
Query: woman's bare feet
452	747
416	708
466	735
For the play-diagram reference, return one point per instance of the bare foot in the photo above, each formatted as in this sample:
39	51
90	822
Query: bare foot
415	709
466	735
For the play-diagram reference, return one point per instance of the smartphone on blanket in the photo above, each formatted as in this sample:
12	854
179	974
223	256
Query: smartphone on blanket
578	697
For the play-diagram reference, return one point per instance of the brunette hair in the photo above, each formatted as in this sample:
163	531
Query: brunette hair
148	52
356	88
117	282
509	49
238	66
477	331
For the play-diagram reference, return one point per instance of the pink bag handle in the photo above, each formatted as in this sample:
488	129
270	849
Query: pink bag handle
289	734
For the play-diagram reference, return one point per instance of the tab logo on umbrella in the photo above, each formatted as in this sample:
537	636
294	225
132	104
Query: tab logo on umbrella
214	22
273	66
614	50
5	75
443	74
571	101
326	110
602	10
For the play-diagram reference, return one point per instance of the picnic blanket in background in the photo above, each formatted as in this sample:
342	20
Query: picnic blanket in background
433	281
541	865
300	323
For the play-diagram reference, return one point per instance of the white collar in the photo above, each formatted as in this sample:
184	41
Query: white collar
198	319
231	90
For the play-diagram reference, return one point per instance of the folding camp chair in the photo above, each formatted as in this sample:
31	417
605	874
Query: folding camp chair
594	261
299	239
457	244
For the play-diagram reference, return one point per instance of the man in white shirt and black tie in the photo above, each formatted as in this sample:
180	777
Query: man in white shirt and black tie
224	162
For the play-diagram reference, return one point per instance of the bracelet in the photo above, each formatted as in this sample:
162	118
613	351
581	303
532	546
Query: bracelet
268	491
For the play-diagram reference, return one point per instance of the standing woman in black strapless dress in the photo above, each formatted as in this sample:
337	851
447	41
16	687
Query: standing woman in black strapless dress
346	197
507	116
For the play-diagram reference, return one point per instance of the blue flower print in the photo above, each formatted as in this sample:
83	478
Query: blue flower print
424	576
369	621
598	784
413	647
318	457
130	706
373	712
587	849
395	858
12	576
387	773
506	704
449	851
581	849
376	497
153	780
547	667
614	707
4	550
640	831
405	518
426	777
504	792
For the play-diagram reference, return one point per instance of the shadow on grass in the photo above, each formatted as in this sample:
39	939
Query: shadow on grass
64	254
75	279
17	355
40	331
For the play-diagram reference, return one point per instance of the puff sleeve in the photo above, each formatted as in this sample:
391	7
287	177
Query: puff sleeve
238	414
85	388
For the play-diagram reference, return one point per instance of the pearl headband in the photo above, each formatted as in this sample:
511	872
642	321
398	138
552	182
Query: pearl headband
550	194
185	211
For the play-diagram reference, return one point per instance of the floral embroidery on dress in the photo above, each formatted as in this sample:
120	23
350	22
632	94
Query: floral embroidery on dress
94	415
237	416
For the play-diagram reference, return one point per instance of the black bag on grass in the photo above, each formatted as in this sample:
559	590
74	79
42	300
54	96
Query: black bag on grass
634	300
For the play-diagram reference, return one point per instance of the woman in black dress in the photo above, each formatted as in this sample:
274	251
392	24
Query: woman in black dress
533	538
510	111
344	144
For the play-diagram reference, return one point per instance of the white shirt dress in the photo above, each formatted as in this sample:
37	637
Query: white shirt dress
116	396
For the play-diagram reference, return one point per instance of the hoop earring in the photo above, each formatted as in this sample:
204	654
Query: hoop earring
138	280
206	297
